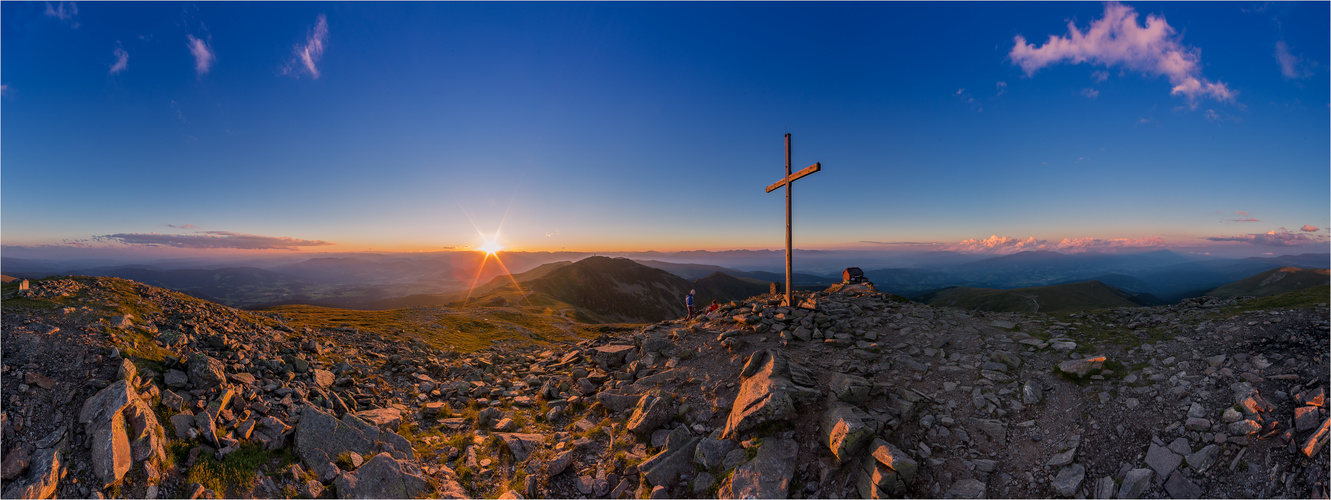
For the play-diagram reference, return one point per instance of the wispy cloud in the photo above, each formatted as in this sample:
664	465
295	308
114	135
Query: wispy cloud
1090	93
122	60
1249	219
66	12
1006	245
203	54
1278	238
967	98
1291	66
1080	245
4	89
1307	228
307	55
1100	76
214	239
1002	88
186	226
1117	40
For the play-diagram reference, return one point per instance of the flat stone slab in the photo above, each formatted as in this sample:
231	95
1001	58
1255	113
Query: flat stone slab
1161	460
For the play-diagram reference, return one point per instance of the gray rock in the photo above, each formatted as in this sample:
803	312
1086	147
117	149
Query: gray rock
768	475
1062	459
109	401
389	419
205	372
183	422
850	388
710	452
1197	424
893	458
1082	367
1031	392
45	469
1105	488
1180	487
176	379
843	432
1162	460
321	438
520	445
617	402
611	357
111	456
1305	418
383	477
702	482
1196	411
772	386
1230	416
1244	427
1069	480
994	428
16	461
966	488
665	467
1135	483
654	409
127	370
559	463
1203	458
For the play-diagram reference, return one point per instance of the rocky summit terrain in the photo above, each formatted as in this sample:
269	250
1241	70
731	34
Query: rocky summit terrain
115	389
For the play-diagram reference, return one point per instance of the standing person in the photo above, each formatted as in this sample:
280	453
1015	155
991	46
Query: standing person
688	302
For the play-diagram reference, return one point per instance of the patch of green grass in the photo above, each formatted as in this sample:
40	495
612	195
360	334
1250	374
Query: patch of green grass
1298	299
235	472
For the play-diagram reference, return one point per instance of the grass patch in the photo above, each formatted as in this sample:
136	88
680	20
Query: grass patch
1298	299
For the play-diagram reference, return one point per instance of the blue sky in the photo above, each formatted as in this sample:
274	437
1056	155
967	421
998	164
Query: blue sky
633	126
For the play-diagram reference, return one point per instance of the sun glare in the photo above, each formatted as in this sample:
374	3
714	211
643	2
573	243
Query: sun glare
490	247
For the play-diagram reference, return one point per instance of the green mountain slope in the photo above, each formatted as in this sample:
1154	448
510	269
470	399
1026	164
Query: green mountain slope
1273	282
1071	297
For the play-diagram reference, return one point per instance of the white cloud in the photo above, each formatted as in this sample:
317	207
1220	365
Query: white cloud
1277	238
203	54
1291	66
1117	40
65	12
122	61
308	54
1090	93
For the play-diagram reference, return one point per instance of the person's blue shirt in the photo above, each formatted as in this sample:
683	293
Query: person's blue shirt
688	300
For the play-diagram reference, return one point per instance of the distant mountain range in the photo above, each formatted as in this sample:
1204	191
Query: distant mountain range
1072	297
379	281
1273	282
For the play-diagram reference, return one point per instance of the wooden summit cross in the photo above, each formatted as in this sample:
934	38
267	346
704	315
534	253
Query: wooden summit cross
787	182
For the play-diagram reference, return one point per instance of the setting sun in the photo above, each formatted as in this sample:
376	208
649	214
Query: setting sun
490	247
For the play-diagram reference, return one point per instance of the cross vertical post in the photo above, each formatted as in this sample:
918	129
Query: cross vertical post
786	182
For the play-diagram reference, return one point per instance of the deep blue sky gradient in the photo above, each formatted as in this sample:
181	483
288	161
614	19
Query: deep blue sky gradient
633	126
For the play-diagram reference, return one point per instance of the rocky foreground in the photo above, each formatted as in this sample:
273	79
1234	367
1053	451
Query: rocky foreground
115	389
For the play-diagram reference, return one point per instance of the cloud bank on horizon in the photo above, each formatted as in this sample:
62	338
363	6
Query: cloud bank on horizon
213	240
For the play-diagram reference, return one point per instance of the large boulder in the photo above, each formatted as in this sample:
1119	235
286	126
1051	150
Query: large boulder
1082	367
771	387
768	475
843	431
520	445
664	468
111	457
383	477
612	356
204	371
653	410
44	473
321	438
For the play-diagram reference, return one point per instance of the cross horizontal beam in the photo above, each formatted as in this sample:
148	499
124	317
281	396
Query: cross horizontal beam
791	178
